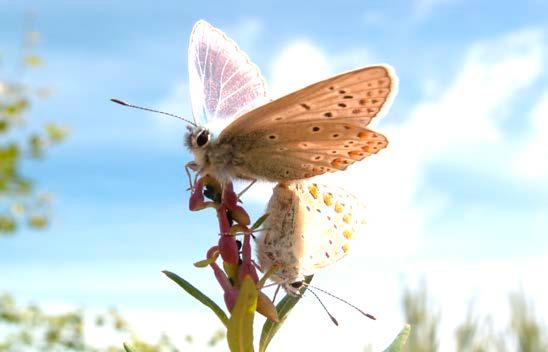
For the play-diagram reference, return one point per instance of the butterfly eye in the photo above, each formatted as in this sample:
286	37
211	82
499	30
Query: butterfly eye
297	284
202	138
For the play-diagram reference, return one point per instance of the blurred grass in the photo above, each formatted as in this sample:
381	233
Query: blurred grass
423	320
525	332
29	328
529	332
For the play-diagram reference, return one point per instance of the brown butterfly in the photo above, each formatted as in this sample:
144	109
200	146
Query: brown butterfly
318	129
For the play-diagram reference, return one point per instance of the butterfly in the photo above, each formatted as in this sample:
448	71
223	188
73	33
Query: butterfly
238	134
309	226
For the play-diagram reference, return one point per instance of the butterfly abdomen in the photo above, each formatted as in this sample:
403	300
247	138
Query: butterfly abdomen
278	245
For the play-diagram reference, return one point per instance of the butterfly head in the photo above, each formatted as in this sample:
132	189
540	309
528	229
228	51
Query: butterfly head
294	287
198	141
291	285
197	138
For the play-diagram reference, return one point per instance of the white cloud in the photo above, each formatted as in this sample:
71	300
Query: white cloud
460	121
531	160
465	115
300	63
424	8
351	59
246	32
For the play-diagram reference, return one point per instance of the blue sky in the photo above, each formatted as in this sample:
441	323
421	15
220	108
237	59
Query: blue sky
460	197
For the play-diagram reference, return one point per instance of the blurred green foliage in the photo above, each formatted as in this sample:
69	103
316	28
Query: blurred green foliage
524	333
22	139
29	328
530	334
424	337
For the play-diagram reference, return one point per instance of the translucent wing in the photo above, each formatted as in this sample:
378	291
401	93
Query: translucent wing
318	129
338	219
224	83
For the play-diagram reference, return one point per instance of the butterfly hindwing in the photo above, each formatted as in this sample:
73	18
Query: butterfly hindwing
304	149
309	227
224	83
335	219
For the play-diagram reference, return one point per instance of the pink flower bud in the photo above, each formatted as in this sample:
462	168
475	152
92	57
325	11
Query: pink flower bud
229	249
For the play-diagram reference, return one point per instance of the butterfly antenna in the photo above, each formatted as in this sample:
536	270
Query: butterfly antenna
342	300
124	103
276	293
324	307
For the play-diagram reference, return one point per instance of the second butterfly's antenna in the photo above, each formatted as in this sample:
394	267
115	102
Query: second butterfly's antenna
324	307
276	293
340	299
121	102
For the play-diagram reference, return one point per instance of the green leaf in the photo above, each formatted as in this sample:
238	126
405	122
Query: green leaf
33	61
240	326
400	340
36	145
3	126
56	134
259	222
194	292
208	261
38	221
203	263
128	348
17	208
283	308
16	108
7	224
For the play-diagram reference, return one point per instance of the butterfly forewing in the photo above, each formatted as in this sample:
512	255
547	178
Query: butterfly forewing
353	96
224	83
318	129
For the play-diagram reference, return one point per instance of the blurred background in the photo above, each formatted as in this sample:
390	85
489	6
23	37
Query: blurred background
93	200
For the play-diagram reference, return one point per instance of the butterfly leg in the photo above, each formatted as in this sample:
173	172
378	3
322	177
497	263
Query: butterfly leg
257	266
246	189
191	166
